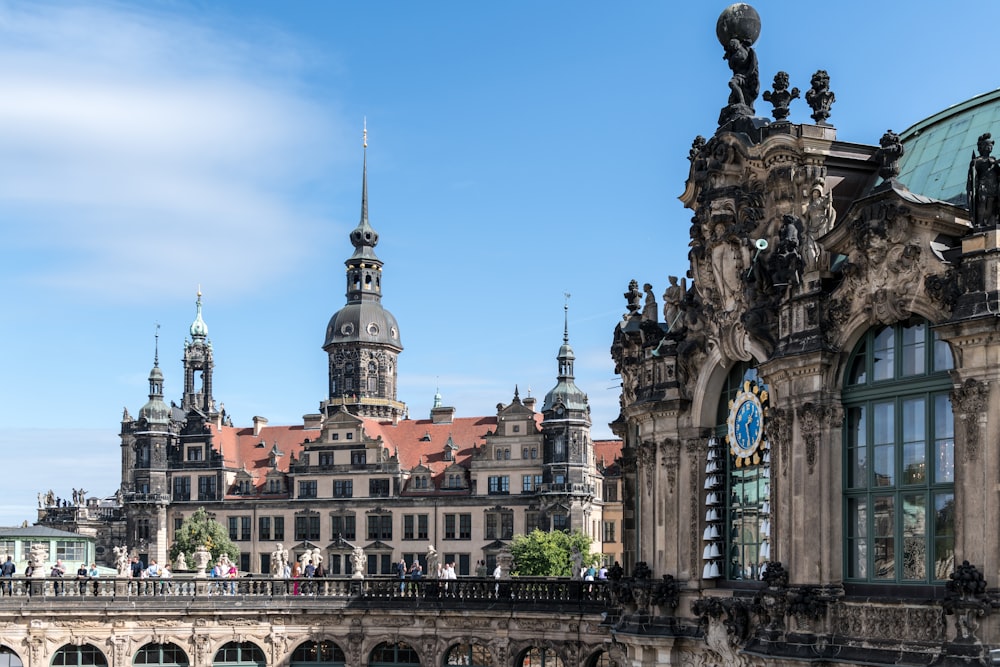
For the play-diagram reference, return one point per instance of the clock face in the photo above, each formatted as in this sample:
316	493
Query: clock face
746	424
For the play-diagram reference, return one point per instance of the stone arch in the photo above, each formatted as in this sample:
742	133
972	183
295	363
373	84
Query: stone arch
10	657
705	397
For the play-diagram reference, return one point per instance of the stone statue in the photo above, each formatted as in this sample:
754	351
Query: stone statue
41	500
633	297
738	28
433	560
745	82
649	309
889	152
201	558
781	97
577	559
358	563
672	298
37	557
279	560
820	98
819	216
121	561
983	185
180	563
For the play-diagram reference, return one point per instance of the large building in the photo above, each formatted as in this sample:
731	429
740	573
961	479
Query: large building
360	471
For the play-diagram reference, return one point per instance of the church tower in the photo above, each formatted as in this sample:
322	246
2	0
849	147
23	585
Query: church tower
568	461
362	339
198	361
145	443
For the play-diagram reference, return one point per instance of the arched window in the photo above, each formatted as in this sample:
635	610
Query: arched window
899	457
77	656
471	655
240	654
372	378
736	540
388	654
8	658
539	657
161	654
326	652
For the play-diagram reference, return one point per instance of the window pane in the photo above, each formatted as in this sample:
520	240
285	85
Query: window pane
884	355
914	540
857	534
857	448
858	373
914	352
914	441
944	535
883	542
944	440
943	359
884	455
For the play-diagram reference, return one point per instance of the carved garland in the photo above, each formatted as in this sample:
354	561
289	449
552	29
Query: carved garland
671	459
646	461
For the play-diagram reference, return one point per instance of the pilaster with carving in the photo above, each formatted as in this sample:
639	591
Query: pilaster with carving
969	401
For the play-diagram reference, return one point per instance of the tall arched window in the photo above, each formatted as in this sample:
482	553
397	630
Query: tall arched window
736	541
899	457
372	378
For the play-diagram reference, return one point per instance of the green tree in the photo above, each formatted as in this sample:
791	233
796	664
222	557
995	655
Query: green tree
201	529
541	554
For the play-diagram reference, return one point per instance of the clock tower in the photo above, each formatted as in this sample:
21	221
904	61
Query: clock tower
362	339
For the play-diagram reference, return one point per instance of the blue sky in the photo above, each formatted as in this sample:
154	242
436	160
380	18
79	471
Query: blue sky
517	151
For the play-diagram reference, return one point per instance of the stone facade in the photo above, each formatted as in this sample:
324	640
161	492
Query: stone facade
805	432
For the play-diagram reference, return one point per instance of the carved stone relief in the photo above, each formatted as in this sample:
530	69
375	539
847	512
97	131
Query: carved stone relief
670	460
970	401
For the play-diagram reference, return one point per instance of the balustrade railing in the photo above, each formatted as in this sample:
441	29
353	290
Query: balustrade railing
515	591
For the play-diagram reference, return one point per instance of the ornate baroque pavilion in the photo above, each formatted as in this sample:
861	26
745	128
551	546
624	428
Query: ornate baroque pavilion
808	466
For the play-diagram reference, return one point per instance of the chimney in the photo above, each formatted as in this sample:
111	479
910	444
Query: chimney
529	403
442	415
258	424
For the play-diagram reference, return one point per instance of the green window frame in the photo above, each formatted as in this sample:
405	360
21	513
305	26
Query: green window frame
899	457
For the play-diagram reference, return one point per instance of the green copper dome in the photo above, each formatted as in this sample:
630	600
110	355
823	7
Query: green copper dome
199	329
939	148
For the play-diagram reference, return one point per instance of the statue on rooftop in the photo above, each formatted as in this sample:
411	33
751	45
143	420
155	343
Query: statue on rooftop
889	153
820	98
983	186
737	29
781	97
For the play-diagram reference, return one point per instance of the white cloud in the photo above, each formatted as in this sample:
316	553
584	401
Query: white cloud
124	130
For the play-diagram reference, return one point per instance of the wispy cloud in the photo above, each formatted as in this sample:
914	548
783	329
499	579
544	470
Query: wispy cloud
126	131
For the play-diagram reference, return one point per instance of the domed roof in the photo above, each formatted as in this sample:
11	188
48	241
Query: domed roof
938	148
198	328
568	394
155	411
365	322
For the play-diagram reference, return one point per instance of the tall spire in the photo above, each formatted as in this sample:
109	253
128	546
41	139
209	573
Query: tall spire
364	175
